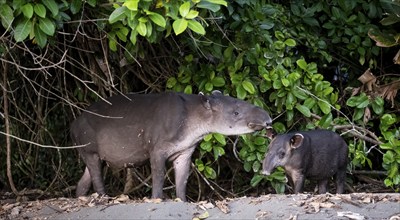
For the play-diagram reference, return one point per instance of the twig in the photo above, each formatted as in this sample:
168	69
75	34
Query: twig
44	146
7	126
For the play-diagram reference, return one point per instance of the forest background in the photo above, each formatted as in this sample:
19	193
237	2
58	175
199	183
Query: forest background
329	64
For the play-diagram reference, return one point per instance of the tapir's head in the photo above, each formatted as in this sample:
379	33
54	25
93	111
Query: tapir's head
231	116
280	151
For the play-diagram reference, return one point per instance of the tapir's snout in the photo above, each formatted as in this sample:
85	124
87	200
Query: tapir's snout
263	121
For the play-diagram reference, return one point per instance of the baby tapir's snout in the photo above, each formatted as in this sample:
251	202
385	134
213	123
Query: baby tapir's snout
318	155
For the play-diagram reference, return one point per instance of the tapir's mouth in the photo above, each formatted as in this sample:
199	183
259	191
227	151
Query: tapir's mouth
256	126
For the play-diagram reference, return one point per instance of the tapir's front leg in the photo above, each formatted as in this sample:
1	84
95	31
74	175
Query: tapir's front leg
182	167
157	162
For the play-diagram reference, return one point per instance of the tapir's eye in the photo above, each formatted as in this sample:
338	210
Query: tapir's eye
281	155
236	113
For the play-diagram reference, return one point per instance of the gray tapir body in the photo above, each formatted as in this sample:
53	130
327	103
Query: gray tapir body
317	154
156	127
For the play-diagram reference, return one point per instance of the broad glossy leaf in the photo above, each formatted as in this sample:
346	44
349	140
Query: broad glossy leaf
76	6
131	4
141	29
6	15
220	138
218	81
326	121
324	106
248	86
40	37
304	110
40	10
47	26
192	14
241	92
196	27
158	19
27	10
22	30
179	26
377	105
218	2
209	6
52	6
117	14
184	9
290	42
302	64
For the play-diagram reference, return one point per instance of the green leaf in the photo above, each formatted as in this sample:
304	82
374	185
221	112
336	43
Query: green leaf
158	19
209	6
218	151
179	26
47	26
133	37
208	86
52	6
184	9
326	121
248	86
141	29
377	105
76	6
6	15
40	10
218	81
131	4
210	172
324	106
192	14
218	2
22	30
304	110
196	27
188	89
302	64
220	138
290	42
171	82
117	14
27	10
40	37
241	92
256	180
285	82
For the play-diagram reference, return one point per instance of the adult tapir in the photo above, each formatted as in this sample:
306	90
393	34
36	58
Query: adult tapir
131	129
316	154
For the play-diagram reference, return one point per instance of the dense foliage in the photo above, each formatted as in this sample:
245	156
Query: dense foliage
310	65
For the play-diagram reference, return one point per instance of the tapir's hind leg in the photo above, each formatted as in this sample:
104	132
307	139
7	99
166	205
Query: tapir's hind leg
340	180
84	184
92	175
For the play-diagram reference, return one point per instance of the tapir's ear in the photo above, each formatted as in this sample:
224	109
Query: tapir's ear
296	141
216	92
205	101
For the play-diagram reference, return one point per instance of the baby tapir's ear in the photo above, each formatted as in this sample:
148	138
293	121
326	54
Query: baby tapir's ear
296	141
205	101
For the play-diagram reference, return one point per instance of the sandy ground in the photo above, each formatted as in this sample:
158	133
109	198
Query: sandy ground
301	206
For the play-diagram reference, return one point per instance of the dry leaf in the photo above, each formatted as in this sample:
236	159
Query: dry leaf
351	215
396	59
223	206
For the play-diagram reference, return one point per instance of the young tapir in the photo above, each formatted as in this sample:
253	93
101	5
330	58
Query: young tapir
131	129
317	155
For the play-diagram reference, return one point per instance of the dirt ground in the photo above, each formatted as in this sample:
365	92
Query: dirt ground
300	206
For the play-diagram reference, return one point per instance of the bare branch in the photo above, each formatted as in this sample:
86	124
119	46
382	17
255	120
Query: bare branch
44	146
